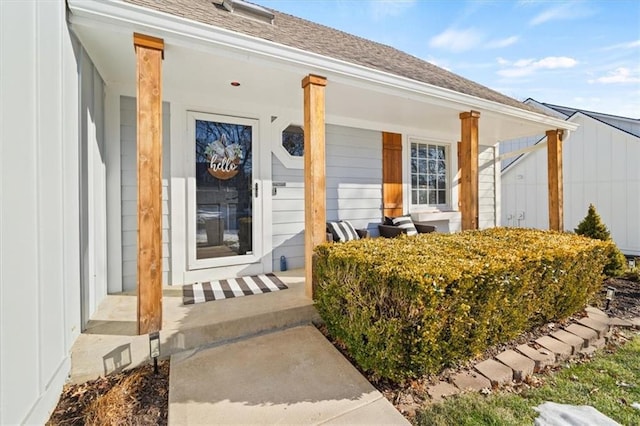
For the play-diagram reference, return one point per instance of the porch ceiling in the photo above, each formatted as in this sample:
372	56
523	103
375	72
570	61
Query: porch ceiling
200	68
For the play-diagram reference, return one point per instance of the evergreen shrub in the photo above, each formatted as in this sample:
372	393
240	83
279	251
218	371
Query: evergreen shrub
410	306
593	227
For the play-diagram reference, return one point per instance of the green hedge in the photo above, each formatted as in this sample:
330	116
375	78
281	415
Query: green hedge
410	306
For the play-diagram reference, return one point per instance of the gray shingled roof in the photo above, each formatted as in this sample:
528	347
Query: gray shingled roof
308	36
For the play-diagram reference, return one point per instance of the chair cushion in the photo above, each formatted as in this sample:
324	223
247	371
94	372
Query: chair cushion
343	231
405	222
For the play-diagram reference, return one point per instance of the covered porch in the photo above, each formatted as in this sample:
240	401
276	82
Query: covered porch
194	68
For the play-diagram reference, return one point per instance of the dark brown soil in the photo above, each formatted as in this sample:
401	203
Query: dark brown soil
140	397
626	299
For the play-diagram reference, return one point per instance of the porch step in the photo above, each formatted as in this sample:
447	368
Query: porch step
221	330
110	343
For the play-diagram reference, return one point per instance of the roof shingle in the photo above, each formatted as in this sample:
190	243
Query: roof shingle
312	37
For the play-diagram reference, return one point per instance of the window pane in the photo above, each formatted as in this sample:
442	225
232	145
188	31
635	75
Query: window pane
441	153
433	167
432	198
293	140
442	182
423	181
224	199
422	151
414	150
422	166
442	197
432	182
423	197
414	180
442	168
414	197
433	154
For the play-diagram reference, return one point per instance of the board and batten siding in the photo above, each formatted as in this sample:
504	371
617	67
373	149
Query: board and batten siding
487	176
600	168
129	194
354	190
39	208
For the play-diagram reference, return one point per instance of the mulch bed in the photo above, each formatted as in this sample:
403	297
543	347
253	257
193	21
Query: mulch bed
133	397
138	396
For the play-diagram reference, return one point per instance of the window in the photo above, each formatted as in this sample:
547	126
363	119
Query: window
429	186
293	140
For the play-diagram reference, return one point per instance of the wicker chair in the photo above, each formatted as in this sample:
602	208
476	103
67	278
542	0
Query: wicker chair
388	230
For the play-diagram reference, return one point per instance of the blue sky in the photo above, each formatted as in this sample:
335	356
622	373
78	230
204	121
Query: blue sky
578	53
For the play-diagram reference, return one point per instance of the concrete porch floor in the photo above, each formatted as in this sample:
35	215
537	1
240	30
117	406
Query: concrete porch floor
110	344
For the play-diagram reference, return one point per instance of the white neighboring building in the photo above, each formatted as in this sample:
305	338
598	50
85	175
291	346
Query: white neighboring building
601	167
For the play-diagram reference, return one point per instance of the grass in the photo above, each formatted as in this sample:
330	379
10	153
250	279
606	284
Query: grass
610	383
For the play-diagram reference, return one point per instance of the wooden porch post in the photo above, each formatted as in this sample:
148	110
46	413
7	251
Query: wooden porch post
392	202
554	167
314	172
149	55
468	156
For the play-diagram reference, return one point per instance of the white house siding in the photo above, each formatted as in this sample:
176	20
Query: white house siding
600	167
129	193
288	215
93	221
354	190
354	176
514	145
39	193
626	124
487	187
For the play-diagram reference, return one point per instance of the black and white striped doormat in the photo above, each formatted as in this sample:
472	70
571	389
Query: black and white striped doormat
232	287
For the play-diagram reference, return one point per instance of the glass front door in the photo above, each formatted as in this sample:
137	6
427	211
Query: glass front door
223	191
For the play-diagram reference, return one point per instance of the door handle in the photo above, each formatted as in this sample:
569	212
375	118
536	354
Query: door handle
256	190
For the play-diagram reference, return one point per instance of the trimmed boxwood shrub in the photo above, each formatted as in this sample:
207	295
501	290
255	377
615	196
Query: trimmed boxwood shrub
410	306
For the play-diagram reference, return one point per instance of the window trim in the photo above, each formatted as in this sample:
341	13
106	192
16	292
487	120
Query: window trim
447	206
288	160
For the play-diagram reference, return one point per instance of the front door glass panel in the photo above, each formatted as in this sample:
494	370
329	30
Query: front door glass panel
224	195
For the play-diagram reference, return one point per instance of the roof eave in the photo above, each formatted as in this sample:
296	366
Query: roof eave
118	14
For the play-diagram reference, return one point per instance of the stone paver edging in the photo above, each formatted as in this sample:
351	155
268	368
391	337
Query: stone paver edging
580	338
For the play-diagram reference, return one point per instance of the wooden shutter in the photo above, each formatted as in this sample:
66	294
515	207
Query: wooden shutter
392	197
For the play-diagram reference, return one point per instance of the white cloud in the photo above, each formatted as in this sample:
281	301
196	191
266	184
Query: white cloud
385	8
562	11
628	45
457	40
505	42
520	63
524	67
553	62
619	75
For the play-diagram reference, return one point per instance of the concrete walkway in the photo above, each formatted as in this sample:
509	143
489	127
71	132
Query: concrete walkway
293	376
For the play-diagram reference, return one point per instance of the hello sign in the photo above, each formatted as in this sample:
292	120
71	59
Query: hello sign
222	168
223	158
